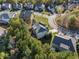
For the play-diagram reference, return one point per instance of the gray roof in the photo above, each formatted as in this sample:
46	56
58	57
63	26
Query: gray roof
6	6
64	43
39	30
25	14
17	6
4	18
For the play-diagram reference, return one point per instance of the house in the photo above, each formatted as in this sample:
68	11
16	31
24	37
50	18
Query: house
39	30
26	16
28	6
39	7
17	6
51	8
4	18
63	42
6	6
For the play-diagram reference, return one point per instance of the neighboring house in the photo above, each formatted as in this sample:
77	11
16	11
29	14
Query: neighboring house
4	18
70	32
27	17
17	6
6	6
51	8
63	42
39	30
28	6
39	7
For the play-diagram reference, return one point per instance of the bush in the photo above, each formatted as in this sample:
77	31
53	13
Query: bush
59	9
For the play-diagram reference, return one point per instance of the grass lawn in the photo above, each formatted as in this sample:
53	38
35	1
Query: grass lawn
46	13
42	20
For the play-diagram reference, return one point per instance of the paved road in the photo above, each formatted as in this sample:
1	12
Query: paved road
52	21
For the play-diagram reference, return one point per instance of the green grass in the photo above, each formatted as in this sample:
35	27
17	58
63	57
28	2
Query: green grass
46	13
41	19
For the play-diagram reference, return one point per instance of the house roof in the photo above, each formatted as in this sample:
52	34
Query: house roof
39	7
16	6
39	26
39	30
28	6
6	6
25	14
4	17
64	43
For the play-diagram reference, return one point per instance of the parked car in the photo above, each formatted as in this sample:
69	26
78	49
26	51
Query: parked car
28	6
6	6
39	7
17	6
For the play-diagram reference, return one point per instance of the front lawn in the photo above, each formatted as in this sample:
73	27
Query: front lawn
42	20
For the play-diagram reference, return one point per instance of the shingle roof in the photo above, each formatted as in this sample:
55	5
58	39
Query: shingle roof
39	30
16	6
25	14
64	43
6	6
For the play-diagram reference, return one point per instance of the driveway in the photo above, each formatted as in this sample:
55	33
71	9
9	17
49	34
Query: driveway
52	21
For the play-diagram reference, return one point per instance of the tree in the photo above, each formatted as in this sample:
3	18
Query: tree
3	55
61	1
40	56
44	1
72	19
29	47
1	1
59	9
12	1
